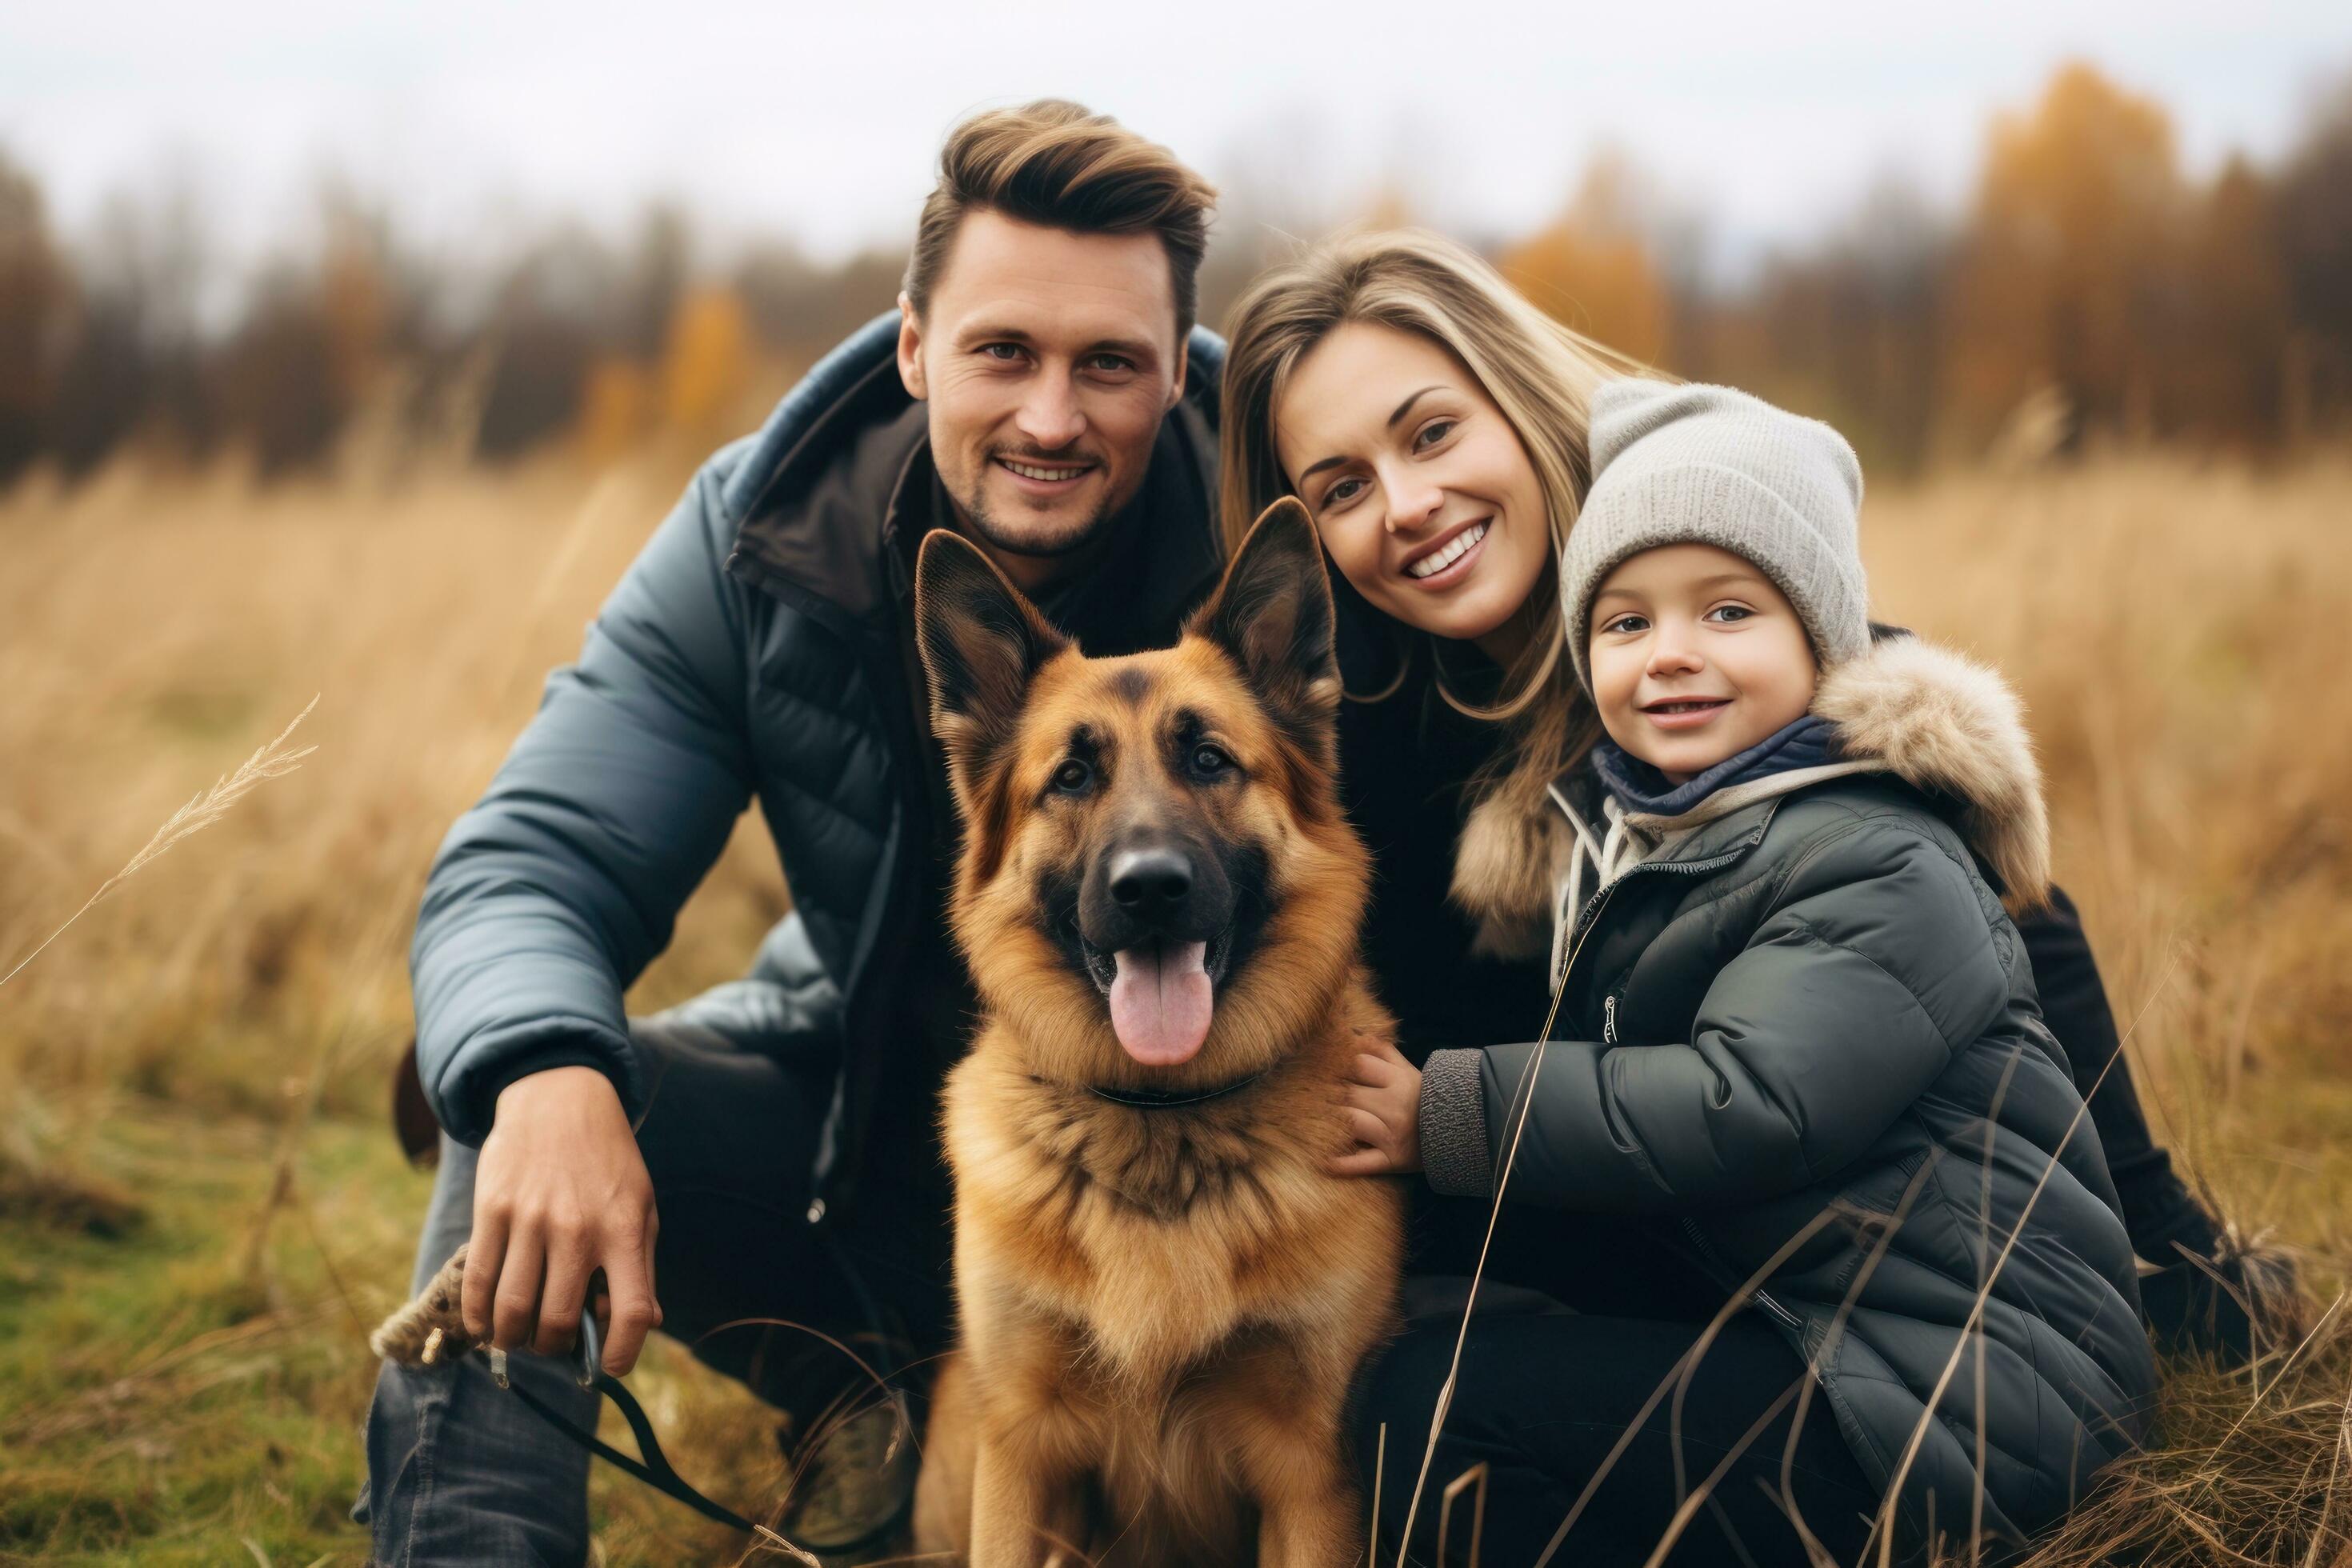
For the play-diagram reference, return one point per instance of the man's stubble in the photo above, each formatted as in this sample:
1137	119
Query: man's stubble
991	530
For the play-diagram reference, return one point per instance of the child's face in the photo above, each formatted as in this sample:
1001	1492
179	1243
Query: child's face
1696	657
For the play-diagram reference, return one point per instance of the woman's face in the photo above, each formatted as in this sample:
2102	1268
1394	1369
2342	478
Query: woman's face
1426	498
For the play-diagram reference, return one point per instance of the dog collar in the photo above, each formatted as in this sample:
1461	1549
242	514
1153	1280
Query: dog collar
1169	1099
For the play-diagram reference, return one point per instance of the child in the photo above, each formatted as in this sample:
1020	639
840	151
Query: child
1794	1022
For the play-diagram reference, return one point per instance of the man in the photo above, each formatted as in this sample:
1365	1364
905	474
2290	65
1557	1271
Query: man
767	1151
769	1147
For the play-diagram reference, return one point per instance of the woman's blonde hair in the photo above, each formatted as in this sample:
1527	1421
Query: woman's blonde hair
1542	374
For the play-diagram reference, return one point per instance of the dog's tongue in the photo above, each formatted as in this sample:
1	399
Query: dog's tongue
1160	1002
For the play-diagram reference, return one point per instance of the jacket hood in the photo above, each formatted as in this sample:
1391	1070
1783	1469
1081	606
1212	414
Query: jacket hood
1945	724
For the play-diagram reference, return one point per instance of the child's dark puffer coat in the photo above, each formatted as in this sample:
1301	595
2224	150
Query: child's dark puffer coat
1805	1010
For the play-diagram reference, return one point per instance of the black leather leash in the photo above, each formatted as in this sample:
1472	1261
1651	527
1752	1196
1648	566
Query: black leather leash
654	1470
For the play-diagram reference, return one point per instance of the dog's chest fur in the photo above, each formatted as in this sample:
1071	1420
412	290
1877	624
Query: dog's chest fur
1155	1235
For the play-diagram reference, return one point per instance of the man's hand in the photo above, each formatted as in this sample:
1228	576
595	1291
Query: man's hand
1382	1113
561	1192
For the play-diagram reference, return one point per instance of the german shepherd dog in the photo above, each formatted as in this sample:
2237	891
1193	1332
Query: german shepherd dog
1162	1293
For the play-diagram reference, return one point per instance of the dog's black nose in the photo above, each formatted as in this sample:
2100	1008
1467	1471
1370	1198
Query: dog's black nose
1150	884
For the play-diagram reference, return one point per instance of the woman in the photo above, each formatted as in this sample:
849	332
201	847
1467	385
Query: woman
1434	425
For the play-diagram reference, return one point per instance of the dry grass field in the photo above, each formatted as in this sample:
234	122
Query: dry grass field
201	1208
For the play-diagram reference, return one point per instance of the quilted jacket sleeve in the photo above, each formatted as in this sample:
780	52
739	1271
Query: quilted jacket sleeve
550	896
1873	965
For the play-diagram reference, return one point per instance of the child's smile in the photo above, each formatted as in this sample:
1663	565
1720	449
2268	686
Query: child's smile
1684	712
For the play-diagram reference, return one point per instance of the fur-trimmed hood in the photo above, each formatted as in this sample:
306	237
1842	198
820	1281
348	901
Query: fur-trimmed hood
1944	724
1935	719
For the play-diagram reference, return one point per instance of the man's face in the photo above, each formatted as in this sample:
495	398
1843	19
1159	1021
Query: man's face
1048	359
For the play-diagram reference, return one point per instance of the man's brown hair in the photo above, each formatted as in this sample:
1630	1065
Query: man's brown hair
1058	164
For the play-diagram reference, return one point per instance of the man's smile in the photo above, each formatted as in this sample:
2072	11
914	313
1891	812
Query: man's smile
1044	477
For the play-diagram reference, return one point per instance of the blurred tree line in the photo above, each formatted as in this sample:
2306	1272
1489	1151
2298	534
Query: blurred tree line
356	350
2090	292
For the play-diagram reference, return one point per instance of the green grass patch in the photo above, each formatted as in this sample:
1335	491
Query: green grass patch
191	1386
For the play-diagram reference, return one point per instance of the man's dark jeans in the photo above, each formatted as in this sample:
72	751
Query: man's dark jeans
461	1472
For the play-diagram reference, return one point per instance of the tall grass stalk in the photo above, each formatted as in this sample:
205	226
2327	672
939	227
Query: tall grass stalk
206	807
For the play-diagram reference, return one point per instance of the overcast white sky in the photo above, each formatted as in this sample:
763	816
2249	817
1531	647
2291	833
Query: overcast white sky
822	120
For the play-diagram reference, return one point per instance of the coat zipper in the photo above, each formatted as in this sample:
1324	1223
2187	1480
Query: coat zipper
1609	1021
1601	896
1762	1297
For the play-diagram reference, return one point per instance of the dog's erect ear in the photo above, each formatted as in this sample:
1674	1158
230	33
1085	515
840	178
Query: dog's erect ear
1273	613
980	642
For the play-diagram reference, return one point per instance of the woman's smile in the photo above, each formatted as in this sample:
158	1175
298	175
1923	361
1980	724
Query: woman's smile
1449	559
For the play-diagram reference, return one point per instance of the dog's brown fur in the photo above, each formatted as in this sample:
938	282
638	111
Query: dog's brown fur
1161	1309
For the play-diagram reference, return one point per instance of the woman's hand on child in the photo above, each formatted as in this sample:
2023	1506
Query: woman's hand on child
1382	1113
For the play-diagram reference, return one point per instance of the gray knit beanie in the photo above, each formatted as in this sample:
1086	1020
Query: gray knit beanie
1708	464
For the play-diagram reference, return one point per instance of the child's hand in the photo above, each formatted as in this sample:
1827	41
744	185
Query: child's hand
1382	1113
